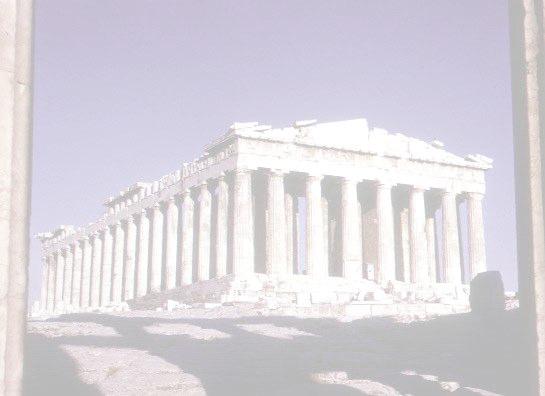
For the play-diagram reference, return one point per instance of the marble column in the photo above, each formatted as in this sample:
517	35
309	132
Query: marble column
156	249
316	264
205	213
106	276
143	254
68	268
418	242
431	249
171	243
76	275
290	234
351	238
326	231
243	224
86	273
221	226
15	168
187	238
405	240
276	225
117	267
386	264
43	290
51	283
527	38
96	264
451	243
59	281
130	258
477	252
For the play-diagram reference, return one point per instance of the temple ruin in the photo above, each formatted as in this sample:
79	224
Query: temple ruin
315	201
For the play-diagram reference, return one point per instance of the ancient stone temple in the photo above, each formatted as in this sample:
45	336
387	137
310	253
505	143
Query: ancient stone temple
314	201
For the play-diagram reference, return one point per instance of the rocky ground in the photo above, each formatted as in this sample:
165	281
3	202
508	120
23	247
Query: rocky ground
241	350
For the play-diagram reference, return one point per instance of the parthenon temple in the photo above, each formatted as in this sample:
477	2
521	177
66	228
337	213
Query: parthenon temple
313	200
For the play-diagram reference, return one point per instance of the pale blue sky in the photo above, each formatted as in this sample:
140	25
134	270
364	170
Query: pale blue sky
127	90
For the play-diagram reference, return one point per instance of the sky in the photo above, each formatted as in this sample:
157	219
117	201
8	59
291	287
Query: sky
127	90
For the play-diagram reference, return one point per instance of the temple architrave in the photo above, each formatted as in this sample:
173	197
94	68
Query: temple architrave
313	200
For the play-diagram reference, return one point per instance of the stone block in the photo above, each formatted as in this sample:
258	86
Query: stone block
303	299
171	305
357	310
438	309
245	298
344	298
487	294
384	309
323	297
411	309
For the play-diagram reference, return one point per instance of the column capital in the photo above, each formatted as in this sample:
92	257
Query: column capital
350	179
241	171
419	188
385	183
449	192
277	172
221	176
474	195
95	234
128	220
314	176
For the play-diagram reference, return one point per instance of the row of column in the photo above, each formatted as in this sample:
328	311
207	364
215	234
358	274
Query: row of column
127	260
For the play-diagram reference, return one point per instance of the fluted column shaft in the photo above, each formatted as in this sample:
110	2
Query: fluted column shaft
96	247
385	226
156	249
276	225
405	240
59	280
290	234
118	258
106	275
316	265
221	227
76	275
143	254
418	249
205	213
477	250
51	283
351	238
171	243
43	290
451	244
130	258
68	267
431	250
187	238
243	223
86	273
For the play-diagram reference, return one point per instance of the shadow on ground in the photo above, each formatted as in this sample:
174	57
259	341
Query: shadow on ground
474	352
